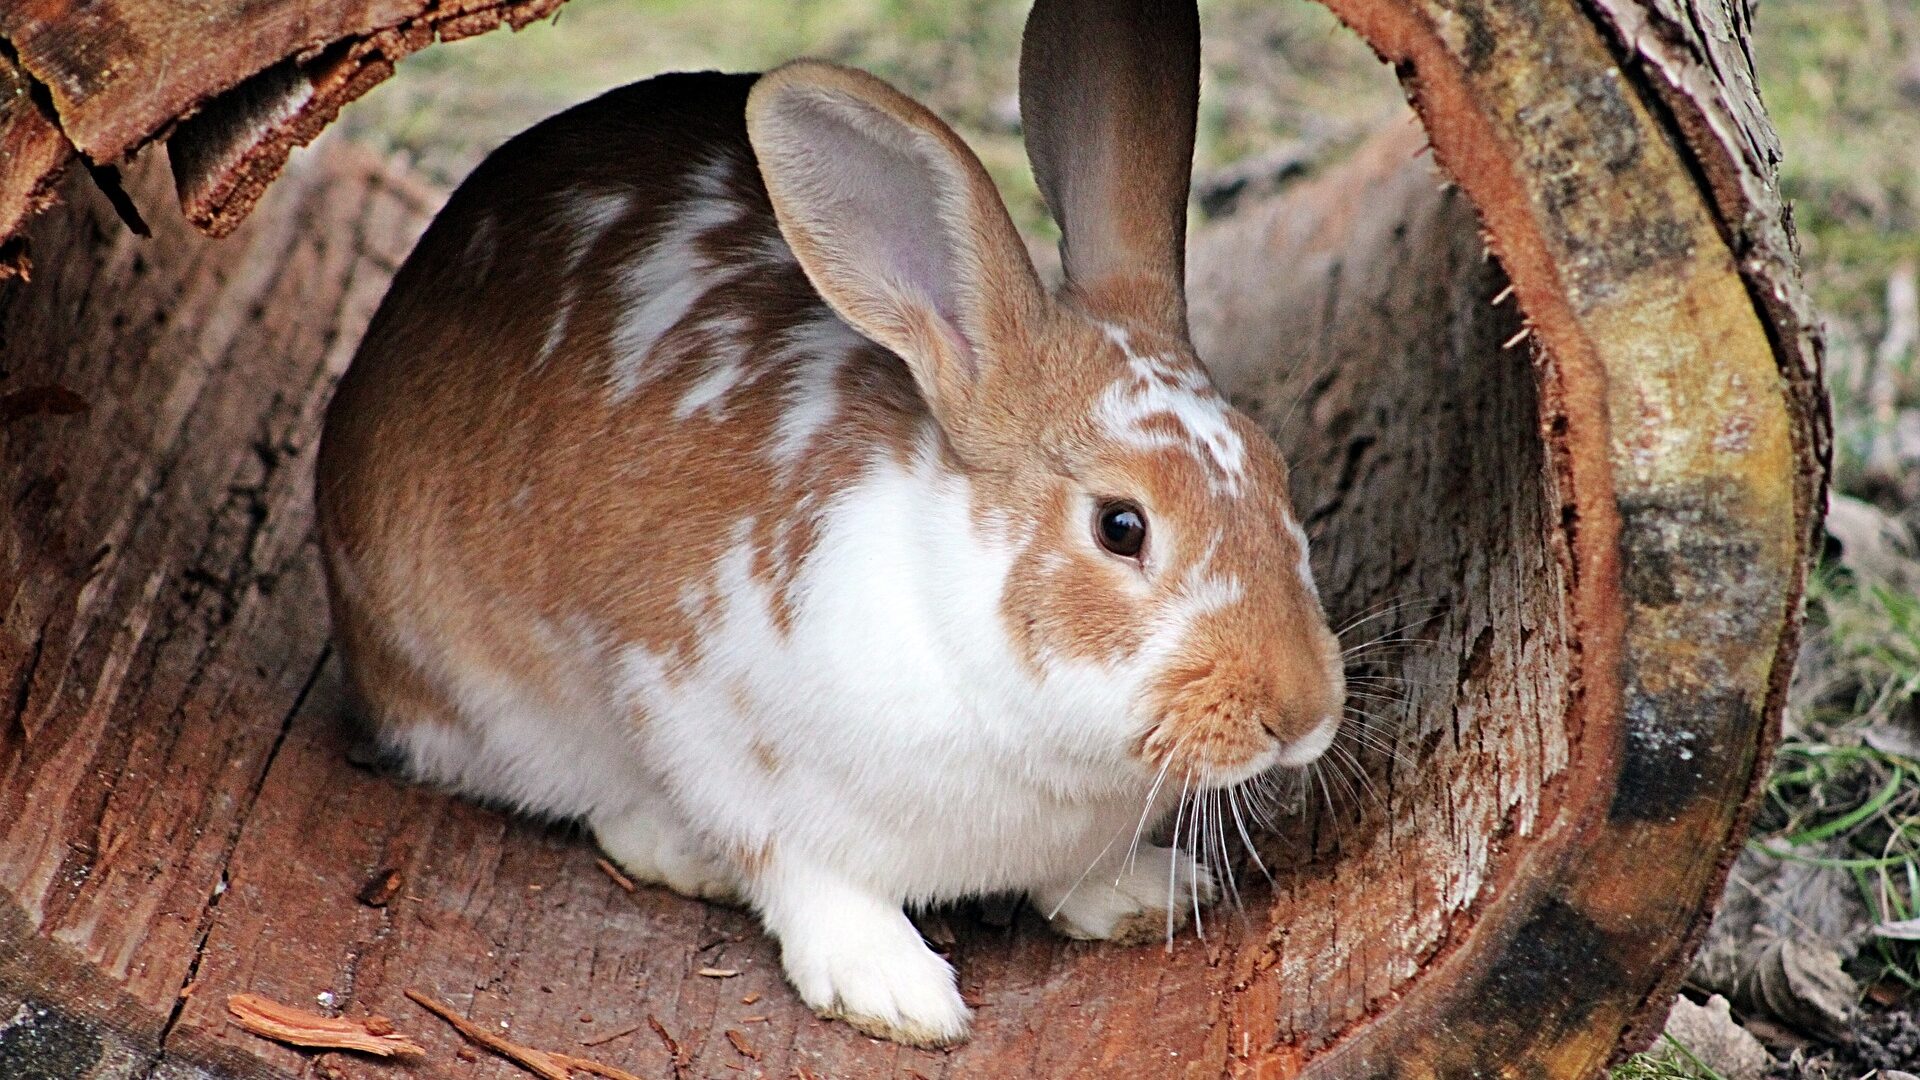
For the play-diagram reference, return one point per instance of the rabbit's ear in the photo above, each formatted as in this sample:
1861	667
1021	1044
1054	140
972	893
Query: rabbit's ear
895	223
1108	95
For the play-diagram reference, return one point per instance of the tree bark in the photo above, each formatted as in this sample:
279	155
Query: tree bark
1559	426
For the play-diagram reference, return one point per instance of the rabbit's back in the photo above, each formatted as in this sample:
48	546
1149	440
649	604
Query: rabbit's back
600	371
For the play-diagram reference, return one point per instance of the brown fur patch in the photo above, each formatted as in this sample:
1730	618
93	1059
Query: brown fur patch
766	757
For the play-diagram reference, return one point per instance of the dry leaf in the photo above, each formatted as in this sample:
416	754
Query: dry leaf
1872	542
1799	983
1710	1034
297	1027
681	1057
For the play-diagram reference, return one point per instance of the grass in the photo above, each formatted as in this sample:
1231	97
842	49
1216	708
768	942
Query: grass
1666	1060
1841	80
1842	794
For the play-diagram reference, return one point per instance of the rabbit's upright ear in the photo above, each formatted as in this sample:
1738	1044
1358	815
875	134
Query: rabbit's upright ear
896	223
1108	96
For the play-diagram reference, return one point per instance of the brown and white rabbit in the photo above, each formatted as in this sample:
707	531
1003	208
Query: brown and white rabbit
718	471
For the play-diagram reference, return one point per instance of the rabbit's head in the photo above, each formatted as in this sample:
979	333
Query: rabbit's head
1155	560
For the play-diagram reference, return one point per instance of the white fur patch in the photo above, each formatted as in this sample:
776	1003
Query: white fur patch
821	346
724	355
515	745
1158	387
1304	567
710	388
584	218
657	289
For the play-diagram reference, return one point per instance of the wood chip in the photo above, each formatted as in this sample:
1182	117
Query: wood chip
681	1057
545	1064
750	998
378	1025
740	1044
718	973
613	872
598	1040
660	1029
296	1027
381	888
755	1019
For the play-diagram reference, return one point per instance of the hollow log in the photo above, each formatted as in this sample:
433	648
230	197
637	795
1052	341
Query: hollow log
1551	396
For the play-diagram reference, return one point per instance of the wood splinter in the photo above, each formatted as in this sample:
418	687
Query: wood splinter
547	1064
612	871
296	1027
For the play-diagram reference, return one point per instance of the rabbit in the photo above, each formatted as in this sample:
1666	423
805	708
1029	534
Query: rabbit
718	472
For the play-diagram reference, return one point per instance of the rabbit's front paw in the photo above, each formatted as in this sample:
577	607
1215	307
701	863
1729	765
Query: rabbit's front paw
886	982
854	956
1129	902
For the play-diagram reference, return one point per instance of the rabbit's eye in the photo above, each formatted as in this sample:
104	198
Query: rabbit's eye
1121	528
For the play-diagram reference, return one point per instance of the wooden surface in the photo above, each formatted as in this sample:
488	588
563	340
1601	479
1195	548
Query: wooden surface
32	155
108	76
1599	531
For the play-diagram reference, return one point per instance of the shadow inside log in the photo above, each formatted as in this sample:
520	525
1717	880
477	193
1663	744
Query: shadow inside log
1359	317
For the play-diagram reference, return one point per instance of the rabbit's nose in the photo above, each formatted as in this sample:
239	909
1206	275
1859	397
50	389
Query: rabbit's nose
1306	749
